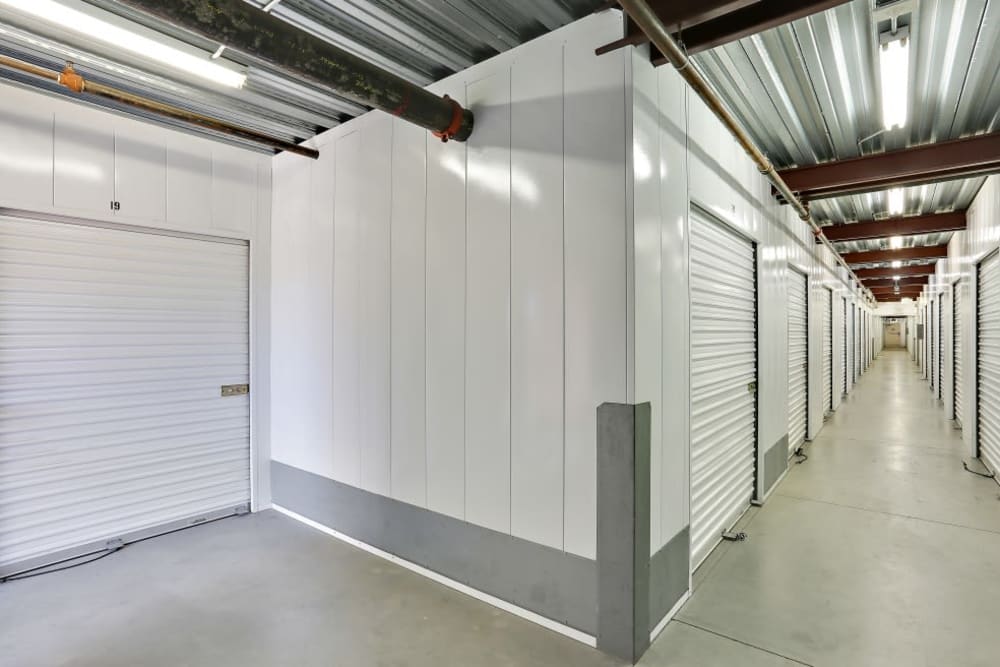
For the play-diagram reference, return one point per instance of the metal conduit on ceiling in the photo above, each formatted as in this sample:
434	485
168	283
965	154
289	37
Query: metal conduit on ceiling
420	40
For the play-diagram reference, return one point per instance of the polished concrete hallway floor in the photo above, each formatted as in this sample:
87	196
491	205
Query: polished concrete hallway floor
878	550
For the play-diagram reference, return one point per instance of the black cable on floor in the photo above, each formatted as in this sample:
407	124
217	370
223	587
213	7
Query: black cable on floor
802	456
992	475
34	573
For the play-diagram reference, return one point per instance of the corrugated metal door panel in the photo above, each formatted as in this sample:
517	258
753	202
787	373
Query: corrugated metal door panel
988	371
940	348
956	327
113	348
723	369
846	346
826	306
797	359
933	358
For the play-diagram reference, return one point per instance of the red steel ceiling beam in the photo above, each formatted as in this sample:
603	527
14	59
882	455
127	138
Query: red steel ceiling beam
918	224
926	252
913	281
747	21
887	272
943	161
704	24
893	298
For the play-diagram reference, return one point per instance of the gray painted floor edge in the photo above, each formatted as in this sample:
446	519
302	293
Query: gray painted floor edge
878	550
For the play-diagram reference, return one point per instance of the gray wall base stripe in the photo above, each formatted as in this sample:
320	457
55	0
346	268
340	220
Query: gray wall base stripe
669	570
775	463
549	582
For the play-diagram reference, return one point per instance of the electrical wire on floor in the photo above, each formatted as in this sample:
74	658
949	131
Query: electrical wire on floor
51	569
803	457
965	465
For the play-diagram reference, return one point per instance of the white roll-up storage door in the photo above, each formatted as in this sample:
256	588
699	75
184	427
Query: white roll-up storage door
932	359
114	348
845	347
956	327
826	305
856	342
988	366
798	370
723	380
940	347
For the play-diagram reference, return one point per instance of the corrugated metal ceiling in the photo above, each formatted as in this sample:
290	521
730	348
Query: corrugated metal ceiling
421	40
808	92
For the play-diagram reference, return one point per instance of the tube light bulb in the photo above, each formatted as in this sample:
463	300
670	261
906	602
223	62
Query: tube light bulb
120	38
896	201
896	263
894	64
896	242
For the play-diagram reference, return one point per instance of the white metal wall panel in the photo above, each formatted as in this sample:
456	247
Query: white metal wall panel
347	313
826	306
114	347
723	373
536	447
408	393
445	313
376	228
487	324
956	327
988	371
798	355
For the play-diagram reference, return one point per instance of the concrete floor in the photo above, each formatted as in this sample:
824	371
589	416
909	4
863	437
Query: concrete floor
879	550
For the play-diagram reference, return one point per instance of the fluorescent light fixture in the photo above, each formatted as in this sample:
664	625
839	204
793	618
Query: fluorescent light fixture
896	242
120	38
895	278
895	197
896	263
894	63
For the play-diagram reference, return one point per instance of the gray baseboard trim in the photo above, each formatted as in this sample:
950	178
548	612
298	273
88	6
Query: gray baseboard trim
549	582
775	464
669	575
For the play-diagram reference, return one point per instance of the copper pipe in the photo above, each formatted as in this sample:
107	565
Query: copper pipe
644	17
73	81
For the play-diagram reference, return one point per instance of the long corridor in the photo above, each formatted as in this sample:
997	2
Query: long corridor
878	550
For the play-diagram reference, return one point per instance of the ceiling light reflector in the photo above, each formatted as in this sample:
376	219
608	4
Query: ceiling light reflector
894	64
896	201
896	263
896	242
120	38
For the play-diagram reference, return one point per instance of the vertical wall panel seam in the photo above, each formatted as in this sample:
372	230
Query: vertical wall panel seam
510	300
426	420
628	98
562	99
687	264
465	343
465	329
362	431
392	201
660	296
